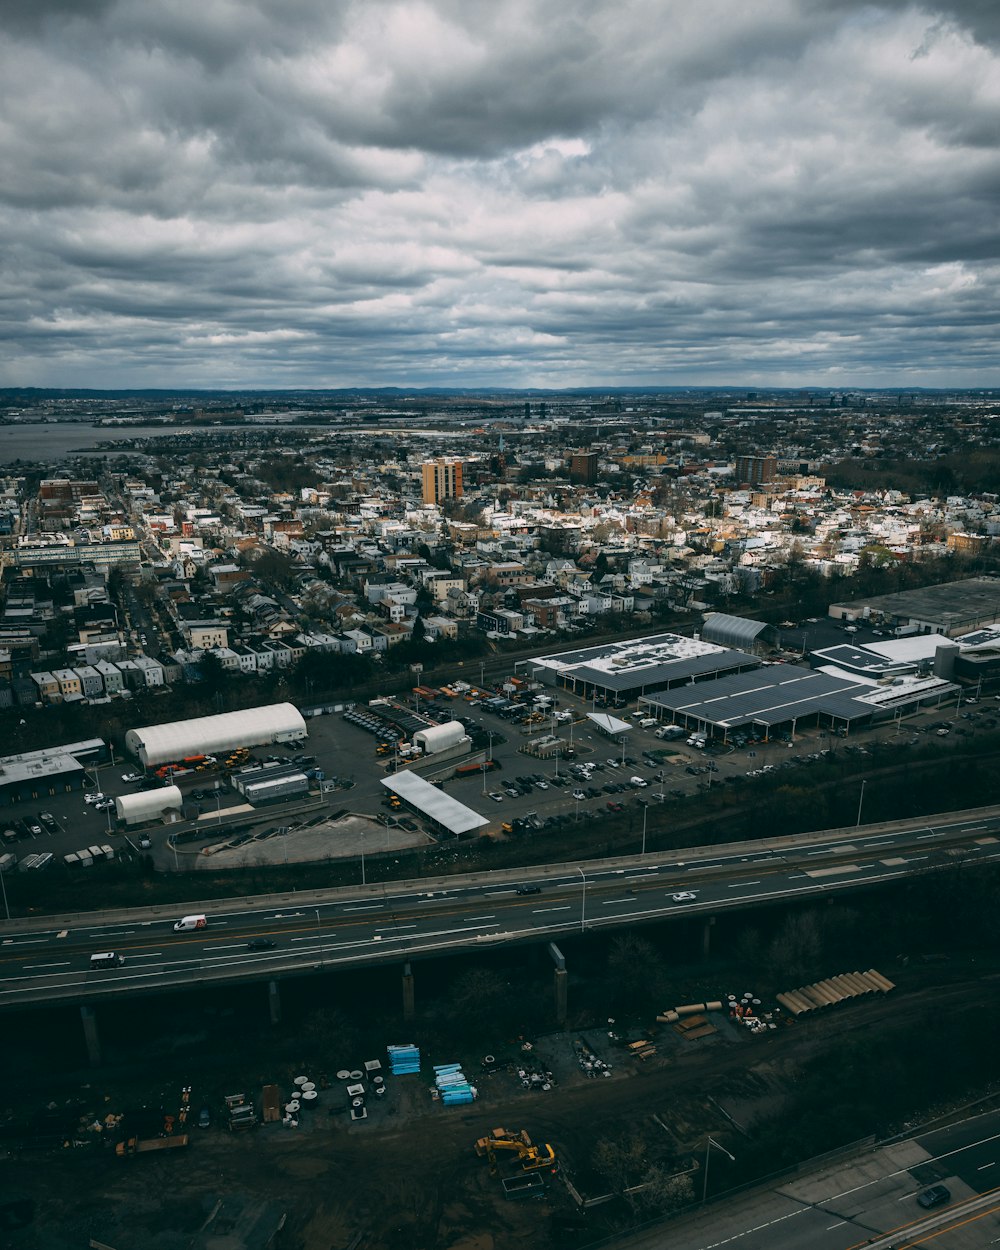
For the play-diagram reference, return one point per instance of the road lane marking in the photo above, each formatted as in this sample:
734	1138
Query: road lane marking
737	885
542	911
983	1166
38	967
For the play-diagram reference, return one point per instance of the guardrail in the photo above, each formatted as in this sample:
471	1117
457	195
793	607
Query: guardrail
303	898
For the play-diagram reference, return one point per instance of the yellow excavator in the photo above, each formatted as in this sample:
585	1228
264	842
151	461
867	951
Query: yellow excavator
531	1157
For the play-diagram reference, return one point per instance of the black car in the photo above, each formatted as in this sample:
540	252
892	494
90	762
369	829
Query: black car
261	944
528	889
936	1196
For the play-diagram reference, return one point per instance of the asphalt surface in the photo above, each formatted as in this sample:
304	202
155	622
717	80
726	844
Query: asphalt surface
869	1200
391	921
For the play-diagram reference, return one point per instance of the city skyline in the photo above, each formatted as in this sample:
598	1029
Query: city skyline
451	195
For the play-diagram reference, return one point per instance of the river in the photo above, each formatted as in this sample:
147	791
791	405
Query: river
53	441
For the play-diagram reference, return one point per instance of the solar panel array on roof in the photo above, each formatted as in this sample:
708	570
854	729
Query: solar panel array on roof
674	671
769	696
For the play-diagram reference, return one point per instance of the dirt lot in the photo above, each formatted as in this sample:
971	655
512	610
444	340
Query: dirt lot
408	1178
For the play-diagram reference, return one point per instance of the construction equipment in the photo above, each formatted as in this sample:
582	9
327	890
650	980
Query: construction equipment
531	1157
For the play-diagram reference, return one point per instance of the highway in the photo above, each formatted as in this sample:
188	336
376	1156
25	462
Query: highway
869	1200
48	960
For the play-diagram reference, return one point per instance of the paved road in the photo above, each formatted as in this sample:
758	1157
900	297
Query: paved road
392	921
868	1201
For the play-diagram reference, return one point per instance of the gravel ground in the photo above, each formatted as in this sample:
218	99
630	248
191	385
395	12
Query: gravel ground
408	1177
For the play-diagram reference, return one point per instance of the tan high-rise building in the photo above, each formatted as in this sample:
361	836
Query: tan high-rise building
442	480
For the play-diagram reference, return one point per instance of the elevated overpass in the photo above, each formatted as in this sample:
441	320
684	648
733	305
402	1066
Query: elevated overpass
46	960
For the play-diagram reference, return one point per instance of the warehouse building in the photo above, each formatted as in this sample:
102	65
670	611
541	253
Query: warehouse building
50	771
949	608
617	673
785	697
214	735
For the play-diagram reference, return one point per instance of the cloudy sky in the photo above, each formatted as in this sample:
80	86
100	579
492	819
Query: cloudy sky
279	193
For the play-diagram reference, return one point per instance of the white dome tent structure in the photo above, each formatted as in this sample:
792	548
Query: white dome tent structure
154	745
148	805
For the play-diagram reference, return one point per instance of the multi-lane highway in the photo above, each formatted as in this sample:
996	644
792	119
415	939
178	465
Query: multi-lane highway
50	961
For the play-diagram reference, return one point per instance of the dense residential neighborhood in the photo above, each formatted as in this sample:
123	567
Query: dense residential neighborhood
463	532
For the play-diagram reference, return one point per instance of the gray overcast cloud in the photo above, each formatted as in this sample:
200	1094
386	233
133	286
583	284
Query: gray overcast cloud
280	193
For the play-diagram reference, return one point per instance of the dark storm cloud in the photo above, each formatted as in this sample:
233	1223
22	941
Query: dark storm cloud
264	192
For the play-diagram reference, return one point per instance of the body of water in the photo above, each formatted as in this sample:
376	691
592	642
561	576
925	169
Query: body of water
52	441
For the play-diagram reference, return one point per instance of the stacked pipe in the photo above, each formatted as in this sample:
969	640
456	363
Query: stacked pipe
451	1084
403	1060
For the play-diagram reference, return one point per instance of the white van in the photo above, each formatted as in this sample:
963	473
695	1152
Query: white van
107	959
187	924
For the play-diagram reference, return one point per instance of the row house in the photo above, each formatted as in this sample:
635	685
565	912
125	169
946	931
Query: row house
503	621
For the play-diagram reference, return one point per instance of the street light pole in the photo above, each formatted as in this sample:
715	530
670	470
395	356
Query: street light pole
860	802
3	887
363	882
708	1146
645	813
583	904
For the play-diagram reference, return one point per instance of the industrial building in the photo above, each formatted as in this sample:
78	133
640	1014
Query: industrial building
619	672
786	697
949	608
49	771
215	735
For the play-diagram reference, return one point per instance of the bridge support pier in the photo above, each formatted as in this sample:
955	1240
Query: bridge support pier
706	936
274	1001
90	1035
409	1000
560	984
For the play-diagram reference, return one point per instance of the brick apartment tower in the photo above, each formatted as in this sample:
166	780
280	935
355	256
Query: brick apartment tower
442	480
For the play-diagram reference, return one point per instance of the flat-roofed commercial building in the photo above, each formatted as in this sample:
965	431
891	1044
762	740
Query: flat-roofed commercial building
619	672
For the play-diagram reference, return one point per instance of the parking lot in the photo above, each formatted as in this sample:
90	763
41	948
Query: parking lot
604	776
